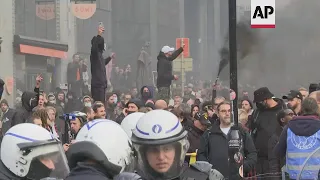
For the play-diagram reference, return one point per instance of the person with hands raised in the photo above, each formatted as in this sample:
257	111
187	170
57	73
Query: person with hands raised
164	70
98	66
29	101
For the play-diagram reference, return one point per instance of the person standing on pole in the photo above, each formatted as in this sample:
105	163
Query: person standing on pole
98	66
164	70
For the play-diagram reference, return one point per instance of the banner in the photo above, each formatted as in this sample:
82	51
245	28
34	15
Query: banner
83	9
45	10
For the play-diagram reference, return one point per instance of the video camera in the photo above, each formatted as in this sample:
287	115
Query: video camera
68	117
68	135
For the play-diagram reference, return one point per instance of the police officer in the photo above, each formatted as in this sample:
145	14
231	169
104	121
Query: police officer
28	151
161	144
94	156
129	122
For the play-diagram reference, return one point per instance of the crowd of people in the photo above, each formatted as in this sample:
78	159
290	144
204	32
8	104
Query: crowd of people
151	130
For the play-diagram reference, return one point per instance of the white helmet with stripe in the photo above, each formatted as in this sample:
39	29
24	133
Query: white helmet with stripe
105	142
30	151
160	132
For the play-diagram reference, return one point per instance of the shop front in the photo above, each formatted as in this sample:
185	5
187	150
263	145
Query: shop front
35	56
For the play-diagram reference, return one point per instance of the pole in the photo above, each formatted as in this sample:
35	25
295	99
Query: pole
154	33
182	71
233	56
182	27
234	137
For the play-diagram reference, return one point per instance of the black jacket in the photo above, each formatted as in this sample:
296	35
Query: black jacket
265	122
7	119
98	63
275	163
301	126
194	135
72	71
214	149
24	113
187	173
164	68
85	171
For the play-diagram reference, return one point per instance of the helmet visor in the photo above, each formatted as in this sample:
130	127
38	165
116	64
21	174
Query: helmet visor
163	161
51	163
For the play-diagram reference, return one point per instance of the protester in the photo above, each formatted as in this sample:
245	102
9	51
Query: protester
98	67
164	70
29	101
304	128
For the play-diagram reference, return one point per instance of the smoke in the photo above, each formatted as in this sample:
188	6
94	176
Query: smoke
283	58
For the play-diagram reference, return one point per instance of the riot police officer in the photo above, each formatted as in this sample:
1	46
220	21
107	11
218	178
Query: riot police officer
29	151
101	151
161	144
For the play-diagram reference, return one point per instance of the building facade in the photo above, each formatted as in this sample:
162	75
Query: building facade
33	43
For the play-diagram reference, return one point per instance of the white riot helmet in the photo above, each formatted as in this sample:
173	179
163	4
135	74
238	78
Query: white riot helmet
105	142
162	143
129	122
30	151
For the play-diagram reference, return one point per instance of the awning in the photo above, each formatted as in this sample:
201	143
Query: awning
42	47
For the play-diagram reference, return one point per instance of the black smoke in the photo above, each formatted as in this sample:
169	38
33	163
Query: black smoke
283	58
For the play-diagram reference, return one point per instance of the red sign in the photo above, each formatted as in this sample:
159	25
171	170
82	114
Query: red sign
42	51
45	11
83	11
9	85
186	50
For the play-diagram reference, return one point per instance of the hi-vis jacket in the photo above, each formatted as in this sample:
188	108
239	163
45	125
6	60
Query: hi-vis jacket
300	143
299	148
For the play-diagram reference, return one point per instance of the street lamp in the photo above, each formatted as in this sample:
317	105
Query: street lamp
0	43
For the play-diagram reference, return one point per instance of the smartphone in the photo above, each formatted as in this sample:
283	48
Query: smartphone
101	25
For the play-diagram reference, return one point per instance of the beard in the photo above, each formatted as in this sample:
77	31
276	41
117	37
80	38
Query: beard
226	120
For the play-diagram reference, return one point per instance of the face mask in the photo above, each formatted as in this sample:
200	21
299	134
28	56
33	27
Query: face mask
53	102
39	170
33	103
70	97
115	99
130	112
145	94
87	104
262	105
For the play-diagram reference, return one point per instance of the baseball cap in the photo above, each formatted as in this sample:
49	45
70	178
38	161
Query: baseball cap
166	49
293	94
203	118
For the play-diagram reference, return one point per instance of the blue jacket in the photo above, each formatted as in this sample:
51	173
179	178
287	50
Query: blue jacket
299	139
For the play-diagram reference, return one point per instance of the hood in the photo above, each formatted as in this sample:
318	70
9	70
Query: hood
99	41
26	100
304	125
151	90
161	56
